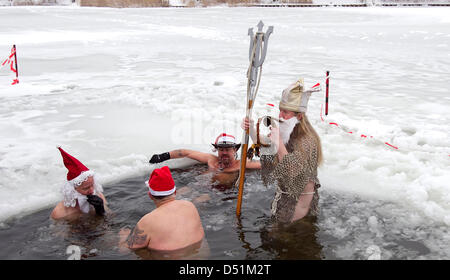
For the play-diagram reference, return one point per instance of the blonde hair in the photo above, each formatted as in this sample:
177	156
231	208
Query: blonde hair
303	128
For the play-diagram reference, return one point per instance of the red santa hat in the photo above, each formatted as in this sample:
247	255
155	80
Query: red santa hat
74	166
77	174
161	182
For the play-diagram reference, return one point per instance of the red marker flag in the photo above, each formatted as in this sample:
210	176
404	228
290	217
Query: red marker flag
12	64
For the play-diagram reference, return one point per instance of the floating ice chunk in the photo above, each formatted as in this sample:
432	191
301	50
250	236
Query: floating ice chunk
373	252
76	116
354	221
373	222
340	232
345	251
75	133
228	253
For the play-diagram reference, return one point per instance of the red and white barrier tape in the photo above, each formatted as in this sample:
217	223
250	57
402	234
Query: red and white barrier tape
351	132
337	125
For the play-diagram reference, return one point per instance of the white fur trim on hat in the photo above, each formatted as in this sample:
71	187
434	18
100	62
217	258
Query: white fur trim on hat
160	193
70	195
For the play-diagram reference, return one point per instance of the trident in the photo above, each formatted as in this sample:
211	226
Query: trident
257	55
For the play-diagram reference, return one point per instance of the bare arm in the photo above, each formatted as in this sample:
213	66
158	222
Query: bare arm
253	164
59	212
182	153
281	151
275	137
64	213
199	156
135	239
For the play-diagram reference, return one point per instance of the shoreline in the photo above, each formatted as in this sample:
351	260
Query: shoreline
165	4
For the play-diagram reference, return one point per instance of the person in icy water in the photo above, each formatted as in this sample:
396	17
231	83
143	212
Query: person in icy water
292	159
82	194
174	226
225	164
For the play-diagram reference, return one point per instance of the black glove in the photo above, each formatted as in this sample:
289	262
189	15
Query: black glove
160	158
97	202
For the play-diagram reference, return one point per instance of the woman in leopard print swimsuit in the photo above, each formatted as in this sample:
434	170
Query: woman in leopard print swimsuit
292	160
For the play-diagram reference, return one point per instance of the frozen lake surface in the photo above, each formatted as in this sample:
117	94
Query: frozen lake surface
114	86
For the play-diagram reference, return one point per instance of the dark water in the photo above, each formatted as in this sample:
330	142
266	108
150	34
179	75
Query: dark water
339	232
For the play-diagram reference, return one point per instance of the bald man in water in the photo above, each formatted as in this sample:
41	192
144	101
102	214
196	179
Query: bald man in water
173	225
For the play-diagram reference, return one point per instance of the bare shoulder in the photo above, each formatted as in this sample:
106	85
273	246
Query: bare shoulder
185	203
61	211
57	212
213	161
139	236
182	207
188	207
144	225
147	219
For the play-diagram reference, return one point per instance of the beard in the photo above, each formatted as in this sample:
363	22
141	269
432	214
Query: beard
286	128
224	161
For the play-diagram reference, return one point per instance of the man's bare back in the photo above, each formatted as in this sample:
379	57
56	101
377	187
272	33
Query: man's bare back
173	225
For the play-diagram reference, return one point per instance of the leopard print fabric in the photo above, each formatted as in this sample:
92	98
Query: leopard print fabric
292	174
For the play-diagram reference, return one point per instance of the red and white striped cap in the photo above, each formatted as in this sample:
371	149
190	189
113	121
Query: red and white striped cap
226	141
161	182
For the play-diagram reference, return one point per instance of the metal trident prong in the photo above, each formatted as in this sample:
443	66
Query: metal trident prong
261	38
260	26
257	58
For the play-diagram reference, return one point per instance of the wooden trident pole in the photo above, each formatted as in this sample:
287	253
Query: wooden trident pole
257	54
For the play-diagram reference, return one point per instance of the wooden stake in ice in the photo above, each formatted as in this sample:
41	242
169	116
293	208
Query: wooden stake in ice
326	95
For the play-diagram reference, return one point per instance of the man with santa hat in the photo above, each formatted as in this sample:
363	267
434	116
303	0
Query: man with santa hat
82	194
173	226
